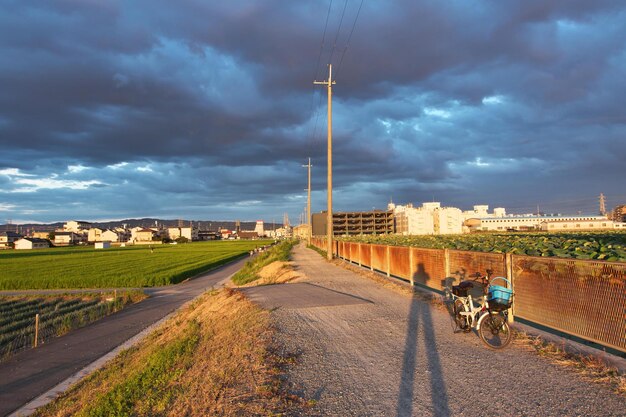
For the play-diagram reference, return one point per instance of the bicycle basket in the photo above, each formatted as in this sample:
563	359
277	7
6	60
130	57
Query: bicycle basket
499	297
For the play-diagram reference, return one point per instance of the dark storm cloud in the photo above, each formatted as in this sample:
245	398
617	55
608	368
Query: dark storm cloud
114	109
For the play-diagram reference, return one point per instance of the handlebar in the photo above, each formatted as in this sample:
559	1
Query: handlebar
485	279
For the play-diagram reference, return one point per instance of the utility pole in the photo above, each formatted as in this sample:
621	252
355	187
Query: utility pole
329	213
308	206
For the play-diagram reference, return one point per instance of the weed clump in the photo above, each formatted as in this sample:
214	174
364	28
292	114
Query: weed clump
277	253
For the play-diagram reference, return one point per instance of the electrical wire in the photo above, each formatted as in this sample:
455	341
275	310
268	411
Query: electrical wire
319	57
349	37
332	52
311	138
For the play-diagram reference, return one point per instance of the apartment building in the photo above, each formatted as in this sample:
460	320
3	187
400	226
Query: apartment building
429	219
187	232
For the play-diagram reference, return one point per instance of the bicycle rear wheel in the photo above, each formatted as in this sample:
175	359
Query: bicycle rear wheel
461	320
495	331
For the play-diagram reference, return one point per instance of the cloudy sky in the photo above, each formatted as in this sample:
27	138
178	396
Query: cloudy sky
207	109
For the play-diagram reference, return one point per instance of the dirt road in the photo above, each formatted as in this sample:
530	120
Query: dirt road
368	351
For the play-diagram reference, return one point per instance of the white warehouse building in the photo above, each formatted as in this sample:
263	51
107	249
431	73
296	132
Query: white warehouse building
546	223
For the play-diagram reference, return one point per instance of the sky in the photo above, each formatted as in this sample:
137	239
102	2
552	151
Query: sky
208	110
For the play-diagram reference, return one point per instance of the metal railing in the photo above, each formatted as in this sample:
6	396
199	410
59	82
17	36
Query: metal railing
582	298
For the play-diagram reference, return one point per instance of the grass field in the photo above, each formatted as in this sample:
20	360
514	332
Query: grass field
58	314
214	357
131	266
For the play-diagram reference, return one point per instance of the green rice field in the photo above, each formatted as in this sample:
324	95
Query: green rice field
131	266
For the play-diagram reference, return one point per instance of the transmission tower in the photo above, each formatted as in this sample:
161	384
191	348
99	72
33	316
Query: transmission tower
602	205
286	220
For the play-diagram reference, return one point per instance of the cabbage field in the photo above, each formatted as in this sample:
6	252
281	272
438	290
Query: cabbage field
131	266
604	246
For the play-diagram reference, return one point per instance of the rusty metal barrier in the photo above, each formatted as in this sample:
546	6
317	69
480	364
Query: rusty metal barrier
379	257
353	252
464	264
583	298
400	262
366	255
429	266
586	299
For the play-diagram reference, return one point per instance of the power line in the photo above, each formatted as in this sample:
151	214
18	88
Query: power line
332	52
319	57
349	37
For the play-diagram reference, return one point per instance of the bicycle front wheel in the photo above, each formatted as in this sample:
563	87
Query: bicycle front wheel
495	331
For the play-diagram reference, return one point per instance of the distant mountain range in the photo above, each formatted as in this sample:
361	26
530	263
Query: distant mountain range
214	225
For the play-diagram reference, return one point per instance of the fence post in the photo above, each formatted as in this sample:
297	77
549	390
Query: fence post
360	245
446	261
411	267
115	301
36	329
371	256
388	260
508	264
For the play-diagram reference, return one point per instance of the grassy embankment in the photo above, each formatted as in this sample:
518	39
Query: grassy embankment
250	272
131	266
214	357
58	314
603	246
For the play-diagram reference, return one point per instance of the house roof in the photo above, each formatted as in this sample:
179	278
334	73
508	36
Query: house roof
8	233
35	240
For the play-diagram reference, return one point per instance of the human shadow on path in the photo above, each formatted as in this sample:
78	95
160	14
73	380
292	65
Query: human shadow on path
420	318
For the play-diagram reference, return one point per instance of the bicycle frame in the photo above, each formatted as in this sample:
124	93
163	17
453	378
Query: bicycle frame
474	311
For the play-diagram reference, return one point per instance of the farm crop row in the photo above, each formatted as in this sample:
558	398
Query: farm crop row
57	316
606	246
133	266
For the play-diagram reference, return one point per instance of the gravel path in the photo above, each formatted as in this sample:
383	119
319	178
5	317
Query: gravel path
394	356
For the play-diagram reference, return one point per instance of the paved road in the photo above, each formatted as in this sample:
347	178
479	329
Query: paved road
364	350
32	372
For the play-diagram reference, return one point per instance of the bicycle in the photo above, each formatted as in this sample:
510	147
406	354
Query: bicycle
489	317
